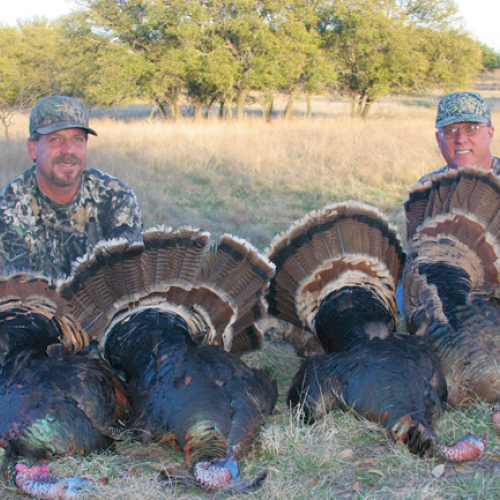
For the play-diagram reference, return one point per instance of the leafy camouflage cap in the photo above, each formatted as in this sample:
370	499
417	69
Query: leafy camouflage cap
57	113
462	106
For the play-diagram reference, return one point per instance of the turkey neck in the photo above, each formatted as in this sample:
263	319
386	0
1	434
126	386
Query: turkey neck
349	317
144	336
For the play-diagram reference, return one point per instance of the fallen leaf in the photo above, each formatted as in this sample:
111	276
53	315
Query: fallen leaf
348	453
438	471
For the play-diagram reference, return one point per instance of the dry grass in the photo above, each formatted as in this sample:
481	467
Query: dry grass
253	179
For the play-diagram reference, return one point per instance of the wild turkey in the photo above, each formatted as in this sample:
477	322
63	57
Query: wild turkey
336	273
53	402
173	319
451	279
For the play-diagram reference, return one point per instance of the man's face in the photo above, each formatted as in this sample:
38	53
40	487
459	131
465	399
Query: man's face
60	159
466	150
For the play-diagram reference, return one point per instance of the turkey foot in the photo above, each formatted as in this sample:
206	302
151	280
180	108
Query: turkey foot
37	482
468	449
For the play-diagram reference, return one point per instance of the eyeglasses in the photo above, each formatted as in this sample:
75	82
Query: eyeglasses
452	132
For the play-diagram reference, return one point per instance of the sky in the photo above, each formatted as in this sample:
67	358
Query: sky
481	16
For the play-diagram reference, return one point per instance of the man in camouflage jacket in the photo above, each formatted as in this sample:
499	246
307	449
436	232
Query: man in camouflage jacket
58	209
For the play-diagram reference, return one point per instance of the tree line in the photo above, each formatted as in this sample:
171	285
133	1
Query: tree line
220	52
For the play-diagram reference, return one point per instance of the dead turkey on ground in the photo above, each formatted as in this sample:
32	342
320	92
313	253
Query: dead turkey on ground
336	274
451	279
174	318
55	398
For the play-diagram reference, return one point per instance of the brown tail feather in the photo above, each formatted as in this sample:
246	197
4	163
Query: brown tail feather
24	285
466	190
173	254
344	243
452	276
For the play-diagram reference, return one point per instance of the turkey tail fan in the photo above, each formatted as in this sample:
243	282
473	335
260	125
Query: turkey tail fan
458	240
466	190
454	219
99	280
344	244
212	289
33	313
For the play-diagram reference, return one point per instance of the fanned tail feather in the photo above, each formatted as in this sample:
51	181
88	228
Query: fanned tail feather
344	244
173	254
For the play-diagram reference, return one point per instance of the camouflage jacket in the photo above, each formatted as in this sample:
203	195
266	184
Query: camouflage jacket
495	168
42	236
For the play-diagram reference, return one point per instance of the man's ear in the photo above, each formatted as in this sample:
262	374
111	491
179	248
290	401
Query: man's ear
32	149
438	137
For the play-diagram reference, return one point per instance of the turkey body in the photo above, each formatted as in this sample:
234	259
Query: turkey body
451	279
336	272
395	382
56	407
56	399
173	316
209	399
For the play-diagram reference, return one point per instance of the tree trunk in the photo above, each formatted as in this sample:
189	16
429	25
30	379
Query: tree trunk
362	106
240	103
289	107
209	107
175	106
198	108
366	108
308	105
160	106
268	114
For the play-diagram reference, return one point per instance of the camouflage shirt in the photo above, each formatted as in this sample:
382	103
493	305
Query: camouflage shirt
42	236
495	168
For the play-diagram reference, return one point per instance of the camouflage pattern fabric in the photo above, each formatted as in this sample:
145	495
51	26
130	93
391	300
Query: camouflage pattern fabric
45	237
58	112
495	168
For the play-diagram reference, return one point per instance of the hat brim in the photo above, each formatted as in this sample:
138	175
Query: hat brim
54	127
463	118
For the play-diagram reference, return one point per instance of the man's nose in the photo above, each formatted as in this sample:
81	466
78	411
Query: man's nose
67	147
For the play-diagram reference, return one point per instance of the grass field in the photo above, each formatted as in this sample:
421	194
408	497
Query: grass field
253	179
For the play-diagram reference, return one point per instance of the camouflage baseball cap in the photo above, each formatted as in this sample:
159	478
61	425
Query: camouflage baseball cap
57	113
462	106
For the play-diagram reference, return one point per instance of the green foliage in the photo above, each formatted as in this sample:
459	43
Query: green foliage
112	51
491	59
394	47
29	66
